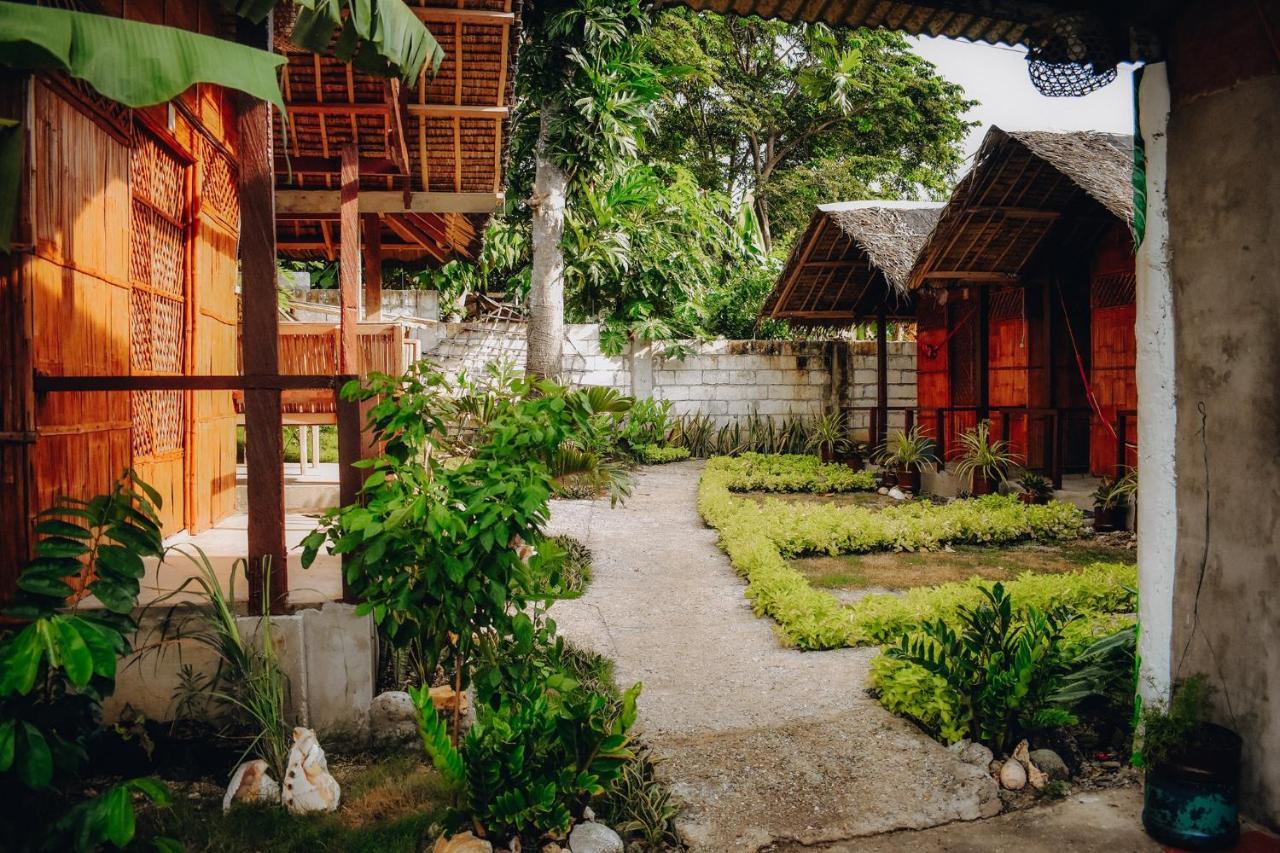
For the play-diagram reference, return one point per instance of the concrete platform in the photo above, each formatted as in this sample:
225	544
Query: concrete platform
226	545
310	489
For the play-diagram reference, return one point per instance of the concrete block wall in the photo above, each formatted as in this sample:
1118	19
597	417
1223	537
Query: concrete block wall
727	380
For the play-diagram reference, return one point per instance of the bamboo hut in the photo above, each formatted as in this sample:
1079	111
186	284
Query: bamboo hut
1025	302
141	299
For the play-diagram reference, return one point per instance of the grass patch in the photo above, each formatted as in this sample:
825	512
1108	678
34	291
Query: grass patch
913	569
756	536
388	804
328	444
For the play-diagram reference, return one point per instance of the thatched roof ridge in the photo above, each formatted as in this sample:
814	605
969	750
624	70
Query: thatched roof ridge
891	233
1101	164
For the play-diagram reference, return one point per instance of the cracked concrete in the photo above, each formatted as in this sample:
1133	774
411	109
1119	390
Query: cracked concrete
763	744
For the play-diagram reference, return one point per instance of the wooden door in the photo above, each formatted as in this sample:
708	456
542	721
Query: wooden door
1113	350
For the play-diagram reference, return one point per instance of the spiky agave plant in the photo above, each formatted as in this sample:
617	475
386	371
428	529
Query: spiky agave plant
984	456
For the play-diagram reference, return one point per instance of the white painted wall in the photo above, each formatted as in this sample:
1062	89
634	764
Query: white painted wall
1157	412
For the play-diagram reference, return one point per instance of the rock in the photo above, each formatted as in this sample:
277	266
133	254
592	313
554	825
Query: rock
594	838
989	802
251	784
552	847
897	494
463	842
1051	763
308	787
1013	776
393	718
883	490
977	755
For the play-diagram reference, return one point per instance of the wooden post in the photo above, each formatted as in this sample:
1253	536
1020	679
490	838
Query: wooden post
349	476
882	372
372	267
942	439
984	343
349	262
264	429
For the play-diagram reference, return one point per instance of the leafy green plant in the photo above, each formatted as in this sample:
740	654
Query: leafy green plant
828	435
907	450
655	454
568	564
58	663
1001	664
981	455
791	473
529	766
1114	492
647	424
1037	486
1168	730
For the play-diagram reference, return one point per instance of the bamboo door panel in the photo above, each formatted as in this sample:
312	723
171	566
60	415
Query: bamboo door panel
963	324
1113	372
1007	373
932	377
158	321
77	279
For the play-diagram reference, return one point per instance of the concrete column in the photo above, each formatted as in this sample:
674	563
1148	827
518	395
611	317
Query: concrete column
1157	518
640	357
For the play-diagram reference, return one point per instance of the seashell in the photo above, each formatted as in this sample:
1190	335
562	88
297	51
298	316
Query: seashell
1013	776
463	842
251	784
308	787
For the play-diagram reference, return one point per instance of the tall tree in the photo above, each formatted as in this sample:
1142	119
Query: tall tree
585	95
855	109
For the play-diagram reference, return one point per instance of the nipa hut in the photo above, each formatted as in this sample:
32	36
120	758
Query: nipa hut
1025	302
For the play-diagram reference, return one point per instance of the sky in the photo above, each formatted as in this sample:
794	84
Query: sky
997	77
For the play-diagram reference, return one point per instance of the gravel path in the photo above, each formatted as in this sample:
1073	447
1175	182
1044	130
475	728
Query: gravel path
765	745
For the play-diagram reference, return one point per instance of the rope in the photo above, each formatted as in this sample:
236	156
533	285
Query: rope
1075	349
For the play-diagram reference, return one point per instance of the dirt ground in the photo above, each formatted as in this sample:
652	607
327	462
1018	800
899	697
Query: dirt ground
895	571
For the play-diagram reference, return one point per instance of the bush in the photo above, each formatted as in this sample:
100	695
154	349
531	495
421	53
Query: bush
812	619
760	472
654	454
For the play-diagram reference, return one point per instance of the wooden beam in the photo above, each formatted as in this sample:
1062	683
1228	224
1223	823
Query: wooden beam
458	111
1015	212
372	251
341	108
248	382
325	165
388	201
465	16
260	355
882	373
349	262
972	275
414	235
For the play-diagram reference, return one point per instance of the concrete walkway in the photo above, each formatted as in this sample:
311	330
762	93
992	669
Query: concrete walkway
765	745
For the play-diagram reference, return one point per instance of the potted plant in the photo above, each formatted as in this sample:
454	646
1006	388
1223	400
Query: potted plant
855	453
1111	501
1192	773
983	462
827	436
1036	488
906	454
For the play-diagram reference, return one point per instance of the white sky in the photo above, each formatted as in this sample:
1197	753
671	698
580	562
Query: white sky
997	78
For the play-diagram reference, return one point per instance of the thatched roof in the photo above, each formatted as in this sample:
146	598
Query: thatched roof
1028	190
443	139
852	258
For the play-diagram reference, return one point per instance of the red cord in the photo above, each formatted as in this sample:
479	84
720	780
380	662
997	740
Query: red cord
1088	389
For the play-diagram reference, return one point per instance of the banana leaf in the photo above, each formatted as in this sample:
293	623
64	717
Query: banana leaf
376	36
130	62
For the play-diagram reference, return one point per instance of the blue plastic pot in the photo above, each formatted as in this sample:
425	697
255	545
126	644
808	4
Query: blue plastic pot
1190	799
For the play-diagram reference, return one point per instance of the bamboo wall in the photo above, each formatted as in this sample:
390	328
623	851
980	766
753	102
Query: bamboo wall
1113	349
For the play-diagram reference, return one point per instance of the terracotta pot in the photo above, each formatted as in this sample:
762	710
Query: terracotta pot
854	461
908	479
1032	498
1111	518
983	486
826	454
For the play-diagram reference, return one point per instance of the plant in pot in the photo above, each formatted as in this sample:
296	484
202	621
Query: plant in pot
983	462
906	454
827	436
855	454
1036	488
1111	501
1192	773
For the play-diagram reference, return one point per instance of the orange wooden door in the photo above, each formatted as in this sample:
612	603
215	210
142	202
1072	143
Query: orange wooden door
1113	348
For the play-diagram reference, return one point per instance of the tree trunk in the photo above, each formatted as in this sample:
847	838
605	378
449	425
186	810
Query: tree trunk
546	286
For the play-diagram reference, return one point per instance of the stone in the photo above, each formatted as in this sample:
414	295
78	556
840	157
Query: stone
883	490
897	494
1051	763
251	783
393	718
594	838
977	755
463	842
1013	776
989	802
308	786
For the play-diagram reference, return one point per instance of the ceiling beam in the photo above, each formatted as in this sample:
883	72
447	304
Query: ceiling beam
1015	212
342	108
466	16
388	201
458	110
971	275
322	165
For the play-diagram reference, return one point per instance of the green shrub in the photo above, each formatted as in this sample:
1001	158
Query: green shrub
760	472
812	619
656	454
913	692
912	526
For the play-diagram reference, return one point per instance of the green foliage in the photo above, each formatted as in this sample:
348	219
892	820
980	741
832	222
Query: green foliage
981	455
1036	485
799	529
910	450
757	101
529	765
1116	491
439	549
58	663
1167	731
828	434
656	454
1000	663
568	564
376	36
731	307
758	472
914	692
648	423
702	437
